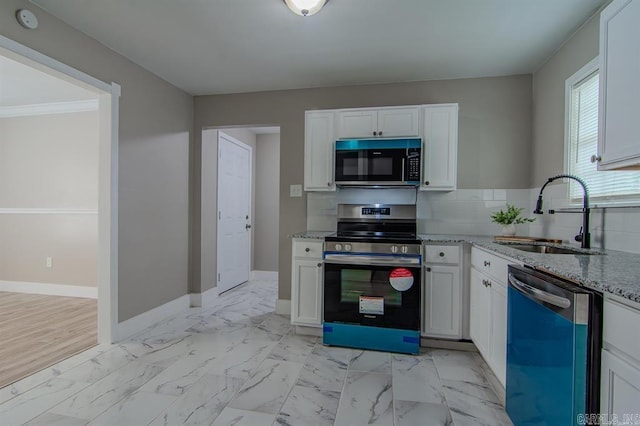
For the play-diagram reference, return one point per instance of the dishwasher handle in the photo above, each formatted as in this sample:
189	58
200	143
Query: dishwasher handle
537	294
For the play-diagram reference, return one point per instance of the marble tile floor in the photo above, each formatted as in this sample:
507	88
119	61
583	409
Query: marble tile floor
238	363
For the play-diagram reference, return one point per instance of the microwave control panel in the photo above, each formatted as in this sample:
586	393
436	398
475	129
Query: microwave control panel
413	160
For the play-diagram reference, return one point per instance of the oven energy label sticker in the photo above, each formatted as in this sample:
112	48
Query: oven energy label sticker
372	305
401	279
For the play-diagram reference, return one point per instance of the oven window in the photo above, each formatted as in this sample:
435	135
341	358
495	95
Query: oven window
365	282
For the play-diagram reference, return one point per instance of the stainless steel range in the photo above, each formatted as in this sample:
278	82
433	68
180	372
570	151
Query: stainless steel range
372	276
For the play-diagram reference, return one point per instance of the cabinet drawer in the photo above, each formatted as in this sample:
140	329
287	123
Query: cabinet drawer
620	328
442	254
308	248
490	264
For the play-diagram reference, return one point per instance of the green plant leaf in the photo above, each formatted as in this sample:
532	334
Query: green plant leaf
511	215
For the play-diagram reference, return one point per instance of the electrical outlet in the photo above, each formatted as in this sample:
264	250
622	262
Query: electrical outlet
49	262
295	190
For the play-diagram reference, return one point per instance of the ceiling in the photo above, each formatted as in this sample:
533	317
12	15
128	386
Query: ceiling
225	46
23	85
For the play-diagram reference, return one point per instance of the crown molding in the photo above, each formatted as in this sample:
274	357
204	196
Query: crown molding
49	108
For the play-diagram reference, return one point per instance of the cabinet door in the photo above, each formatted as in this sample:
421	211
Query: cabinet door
619	70
398	122
479	315
441	301
306	292
440	147
357	123
620	391
318	151
498	333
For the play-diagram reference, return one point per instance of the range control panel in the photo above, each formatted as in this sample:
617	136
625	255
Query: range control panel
375	211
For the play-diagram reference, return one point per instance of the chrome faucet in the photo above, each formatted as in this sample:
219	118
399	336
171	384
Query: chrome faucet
584	237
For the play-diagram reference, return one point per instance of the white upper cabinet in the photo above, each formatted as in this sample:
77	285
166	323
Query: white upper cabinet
319	138
398	122
619	133
378	122
439	147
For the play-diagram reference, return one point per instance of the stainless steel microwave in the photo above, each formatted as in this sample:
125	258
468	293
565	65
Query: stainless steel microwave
378	162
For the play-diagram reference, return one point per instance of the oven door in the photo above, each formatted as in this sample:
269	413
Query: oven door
373	290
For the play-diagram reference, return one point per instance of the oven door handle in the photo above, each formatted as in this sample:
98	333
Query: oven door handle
542	296
357	259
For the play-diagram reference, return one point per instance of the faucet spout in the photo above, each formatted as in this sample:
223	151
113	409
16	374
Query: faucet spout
584	237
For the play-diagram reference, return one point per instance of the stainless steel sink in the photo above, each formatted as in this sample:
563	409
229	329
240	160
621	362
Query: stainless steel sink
540	248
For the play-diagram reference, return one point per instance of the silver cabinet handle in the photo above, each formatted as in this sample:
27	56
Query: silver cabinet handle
487	263
307	250
538	294
328	183
247	226
375	133
441	254
319	264
596	158
380	133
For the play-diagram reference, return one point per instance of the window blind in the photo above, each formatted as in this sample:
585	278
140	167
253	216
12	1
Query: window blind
604	186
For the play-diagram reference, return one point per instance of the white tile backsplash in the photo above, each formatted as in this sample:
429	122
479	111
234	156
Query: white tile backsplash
468	212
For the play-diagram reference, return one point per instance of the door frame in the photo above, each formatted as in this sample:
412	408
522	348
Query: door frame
218	242
108	110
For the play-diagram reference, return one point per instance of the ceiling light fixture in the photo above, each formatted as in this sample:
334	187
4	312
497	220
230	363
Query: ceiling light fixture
305	7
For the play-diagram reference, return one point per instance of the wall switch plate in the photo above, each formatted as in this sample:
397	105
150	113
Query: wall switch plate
295	190
49	262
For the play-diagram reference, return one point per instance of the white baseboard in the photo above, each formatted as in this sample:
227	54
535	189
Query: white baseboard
138	323
202	300
283	307
49	289
263	276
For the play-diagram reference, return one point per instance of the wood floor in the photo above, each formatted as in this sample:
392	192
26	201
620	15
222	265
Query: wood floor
37	331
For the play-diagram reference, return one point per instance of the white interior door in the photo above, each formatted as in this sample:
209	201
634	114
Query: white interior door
234	210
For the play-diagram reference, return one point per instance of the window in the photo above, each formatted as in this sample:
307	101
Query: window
581	139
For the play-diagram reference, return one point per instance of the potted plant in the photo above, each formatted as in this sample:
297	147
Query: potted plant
509	219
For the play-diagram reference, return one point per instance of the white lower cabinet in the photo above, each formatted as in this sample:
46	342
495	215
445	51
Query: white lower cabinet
442	292
498	342
441	296
306	283
620	384
480	311
488	308
620	392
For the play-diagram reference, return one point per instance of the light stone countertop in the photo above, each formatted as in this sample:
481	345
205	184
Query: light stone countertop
614	272
312	235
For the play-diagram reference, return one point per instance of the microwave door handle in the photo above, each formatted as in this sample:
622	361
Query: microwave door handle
404	177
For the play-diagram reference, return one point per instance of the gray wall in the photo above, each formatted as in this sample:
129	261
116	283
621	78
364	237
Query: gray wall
155	127
48	169
494	131
547	150
266	226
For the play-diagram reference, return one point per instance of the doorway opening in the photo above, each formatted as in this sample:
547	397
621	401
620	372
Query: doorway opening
58	212
240	196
